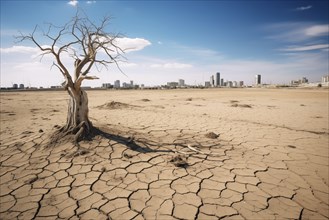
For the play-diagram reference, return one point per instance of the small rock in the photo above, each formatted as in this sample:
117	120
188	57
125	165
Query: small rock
211	135
30	181
40	131
179	161
128	156
241	105
291	146
130	139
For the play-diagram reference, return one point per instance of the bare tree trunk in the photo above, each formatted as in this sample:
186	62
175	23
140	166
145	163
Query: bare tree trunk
77	109
77	123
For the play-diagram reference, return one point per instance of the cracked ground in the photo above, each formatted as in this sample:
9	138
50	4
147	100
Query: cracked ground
174	154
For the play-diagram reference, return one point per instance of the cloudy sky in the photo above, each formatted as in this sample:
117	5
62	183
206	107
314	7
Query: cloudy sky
191	40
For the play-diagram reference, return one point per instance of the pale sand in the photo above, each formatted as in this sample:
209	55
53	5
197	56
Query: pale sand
270	160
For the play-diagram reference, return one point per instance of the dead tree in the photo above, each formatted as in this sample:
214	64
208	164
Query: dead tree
88	45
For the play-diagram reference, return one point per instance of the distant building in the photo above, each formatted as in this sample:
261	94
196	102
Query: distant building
235	84
221	82
131	83
229	84
21	86
217	79
294	82
56	87
304	80
258	80
172	84
125	85
325	79
181	82
15	86
241	84
212	81
106	85
117	84
207	84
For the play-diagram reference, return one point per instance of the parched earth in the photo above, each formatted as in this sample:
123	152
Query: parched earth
158	161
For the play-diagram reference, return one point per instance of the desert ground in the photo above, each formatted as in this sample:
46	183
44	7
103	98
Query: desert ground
168	154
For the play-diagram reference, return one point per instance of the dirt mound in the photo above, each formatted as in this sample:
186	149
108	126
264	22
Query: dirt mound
115	105
211	135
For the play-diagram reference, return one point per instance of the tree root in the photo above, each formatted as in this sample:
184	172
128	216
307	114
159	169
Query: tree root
196	151
80	132
65	134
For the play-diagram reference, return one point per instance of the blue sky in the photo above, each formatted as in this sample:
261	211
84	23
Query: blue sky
281	40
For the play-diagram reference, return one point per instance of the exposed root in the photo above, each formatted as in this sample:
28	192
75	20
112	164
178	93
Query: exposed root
65	134
201	152
78	134
195	151
81	129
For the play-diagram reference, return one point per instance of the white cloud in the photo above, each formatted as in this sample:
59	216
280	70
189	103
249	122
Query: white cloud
126	44
171	65
128	65
159	42
317	30
132	44
73	2
34	52
91	2
19	49
303	8
305	48
297	31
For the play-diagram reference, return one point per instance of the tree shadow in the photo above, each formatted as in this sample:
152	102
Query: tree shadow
142	145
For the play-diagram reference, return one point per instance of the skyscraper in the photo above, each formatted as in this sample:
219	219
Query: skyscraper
181	82
258	79
217	79
117	84
212	81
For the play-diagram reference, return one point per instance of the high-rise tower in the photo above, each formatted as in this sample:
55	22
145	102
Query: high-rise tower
217	79
258	80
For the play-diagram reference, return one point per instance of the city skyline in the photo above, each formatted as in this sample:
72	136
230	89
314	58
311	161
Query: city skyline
280	40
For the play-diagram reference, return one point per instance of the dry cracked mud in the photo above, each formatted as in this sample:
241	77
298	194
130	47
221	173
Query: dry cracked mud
253	170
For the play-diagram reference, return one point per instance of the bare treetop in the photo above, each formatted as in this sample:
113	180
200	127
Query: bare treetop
87	43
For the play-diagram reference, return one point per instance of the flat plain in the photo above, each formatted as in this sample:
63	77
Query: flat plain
168	154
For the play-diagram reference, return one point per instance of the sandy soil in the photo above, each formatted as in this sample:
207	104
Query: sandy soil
172	154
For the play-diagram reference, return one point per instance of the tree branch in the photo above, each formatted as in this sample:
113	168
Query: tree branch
77	84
